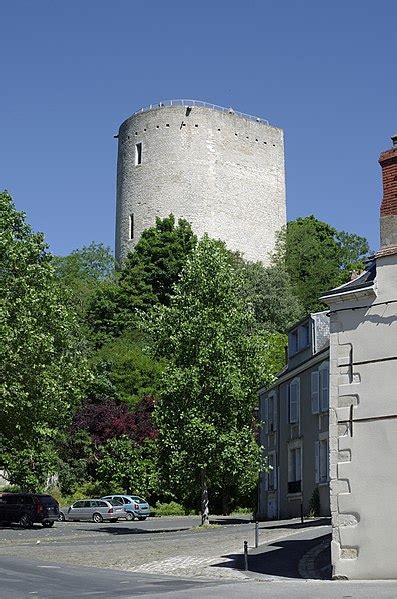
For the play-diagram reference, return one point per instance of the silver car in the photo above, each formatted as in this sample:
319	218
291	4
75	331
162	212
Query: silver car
133	506
95	510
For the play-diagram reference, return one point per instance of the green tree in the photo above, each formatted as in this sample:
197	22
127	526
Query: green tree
146	278
216	359
42	355
84	271
317	257
272	296
131	369
126	467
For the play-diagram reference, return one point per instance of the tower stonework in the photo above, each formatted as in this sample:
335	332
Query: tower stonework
220	170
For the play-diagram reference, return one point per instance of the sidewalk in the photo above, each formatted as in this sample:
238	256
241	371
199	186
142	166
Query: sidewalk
303	554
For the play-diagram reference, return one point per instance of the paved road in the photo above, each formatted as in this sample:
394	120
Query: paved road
157	546
22	579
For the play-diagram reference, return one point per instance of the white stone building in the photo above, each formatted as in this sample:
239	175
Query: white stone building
221	170
363	405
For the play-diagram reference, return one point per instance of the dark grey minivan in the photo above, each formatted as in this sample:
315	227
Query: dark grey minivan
27	509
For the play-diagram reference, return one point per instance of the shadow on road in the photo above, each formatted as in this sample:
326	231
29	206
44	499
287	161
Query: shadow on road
121	530
297	525
228	520
280	558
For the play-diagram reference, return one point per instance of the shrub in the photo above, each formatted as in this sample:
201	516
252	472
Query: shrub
314	506
169	509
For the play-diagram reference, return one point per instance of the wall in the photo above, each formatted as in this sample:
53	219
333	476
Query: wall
220	171
363	453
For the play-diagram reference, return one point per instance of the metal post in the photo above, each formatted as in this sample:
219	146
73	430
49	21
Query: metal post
246	556
256	534
301	513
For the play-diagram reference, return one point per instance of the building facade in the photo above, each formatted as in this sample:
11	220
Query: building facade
363	405
219	169
294	434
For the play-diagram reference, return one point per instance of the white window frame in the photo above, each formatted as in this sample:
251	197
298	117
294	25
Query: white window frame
294	418
293	475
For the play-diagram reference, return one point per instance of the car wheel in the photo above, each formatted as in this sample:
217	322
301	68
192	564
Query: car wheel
25	521
97	518
48	523
142	517
129	516
61	517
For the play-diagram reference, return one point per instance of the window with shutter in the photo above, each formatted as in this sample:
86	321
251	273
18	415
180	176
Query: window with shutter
294	401
323	461
324	387
315	392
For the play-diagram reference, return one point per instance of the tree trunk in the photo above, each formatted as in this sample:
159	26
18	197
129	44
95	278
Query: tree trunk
225	501
205	512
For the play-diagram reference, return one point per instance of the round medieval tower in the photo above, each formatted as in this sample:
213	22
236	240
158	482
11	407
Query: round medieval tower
221	170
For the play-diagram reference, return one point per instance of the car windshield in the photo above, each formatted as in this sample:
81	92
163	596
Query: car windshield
137	499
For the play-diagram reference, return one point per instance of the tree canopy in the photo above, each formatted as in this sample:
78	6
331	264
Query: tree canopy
42	354
215	361
317	258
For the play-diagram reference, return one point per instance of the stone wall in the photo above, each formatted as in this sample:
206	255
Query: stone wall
222	172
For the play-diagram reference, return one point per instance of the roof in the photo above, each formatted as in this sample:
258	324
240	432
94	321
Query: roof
363	281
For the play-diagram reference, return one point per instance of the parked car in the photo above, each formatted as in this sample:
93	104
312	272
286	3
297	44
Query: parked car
27	509
133	506
95	509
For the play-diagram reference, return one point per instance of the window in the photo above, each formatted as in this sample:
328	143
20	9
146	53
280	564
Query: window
294	470
321	461
293	342
131	226
272	474
303	336
294	401
315	392
320	389
138	153
270	415
324	386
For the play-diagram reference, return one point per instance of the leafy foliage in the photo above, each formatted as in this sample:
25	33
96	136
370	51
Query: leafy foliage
215	362
42	355
129	367
147	277
108	419
317	257
128	467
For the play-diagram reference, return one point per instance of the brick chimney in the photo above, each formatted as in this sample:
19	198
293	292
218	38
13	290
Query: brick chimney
388	208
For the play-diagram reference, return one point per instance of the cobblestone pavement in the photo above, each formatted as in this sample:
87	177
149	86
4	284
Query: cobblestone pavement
173	546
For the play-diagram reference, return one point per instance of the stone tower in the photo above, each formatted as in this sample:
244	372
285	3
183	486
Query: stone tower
221	170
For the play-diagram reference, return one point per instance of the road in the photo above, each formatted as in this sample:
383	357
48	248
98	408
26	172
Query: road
22	579
158	546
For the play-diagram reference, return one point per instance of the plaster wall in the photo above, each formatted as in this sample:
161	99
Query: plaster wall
220	171
363	452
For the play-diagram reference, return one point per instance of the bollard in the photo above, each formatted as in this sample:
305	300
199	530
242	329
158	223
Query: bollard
301	513
256	534
246	556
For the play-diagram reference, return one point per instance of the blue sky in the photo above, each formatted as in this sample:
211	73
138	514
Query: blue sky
72	71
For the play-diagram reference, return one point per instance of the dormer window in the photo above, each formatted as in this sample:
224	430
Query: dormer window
299	338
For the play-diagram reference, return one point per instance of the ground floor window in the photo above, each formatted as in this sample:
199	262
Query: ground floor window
294	470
